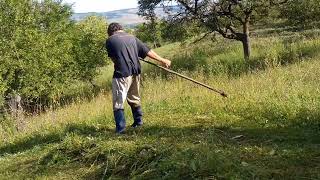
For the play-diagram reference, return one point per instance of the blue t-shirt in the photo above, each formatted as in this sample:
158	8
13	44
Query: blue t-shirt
125	50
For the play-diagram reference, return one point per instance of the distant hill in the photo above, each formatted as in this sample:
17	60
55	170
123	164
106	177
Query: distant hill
127	17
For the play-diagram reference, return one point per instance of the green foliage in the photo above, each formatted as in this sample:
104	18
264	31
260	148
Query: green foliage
232	19
302	14
176	31
268	128
88	46
150	33
167	32
43	52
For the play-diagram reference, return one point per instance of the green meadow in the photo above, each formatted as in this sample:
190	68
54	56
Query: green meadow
268	127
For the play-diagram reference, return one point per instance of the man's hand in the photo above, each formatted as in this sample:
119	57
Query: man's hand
166	63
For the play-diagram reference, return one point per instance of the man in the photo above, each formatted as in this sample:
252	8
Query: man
125	50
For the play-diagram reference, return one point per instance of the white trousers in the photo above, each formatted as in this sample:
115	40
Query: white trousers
127	88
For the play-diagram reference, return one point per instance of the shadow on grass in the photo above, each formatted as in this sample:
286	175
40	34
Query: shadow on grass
258	152
40	139
301	133
251	152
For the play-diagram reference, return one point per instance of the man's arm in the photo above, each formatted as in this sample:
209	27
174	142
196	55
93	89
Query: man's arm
153	55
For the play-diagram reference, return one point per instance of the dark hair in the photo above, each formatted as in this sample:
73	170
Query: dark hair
113	27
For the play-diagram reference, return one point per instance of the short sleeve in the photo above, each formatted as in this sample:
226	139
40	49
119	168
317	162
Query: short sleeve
142	49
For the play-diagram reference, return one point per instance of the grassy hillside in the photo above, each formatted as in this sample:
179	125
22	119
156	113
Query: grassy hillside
269	127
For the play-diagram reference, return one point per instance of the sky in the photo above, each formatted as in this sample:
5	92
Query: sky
81	6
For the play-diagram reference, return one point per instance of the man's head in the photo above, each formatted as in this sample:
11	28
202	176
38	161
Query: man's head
114	27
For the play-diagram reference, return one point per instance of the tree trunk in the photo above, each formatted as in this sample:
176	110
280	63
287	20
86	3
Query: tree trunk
246	47
246	39
17	111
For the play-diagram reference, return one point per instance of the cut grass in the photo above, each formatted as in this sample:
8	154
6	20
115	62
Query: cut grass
268	128
188	133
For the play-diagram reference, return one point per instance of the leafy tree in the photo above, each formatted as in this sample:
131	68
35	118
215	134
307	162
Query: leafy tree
88	46
43	51
150	32
173	31
302	13
230	18
166	31
150	29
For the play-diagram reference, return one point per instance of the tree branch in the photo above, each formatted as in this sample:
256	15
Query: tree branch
229	12
196	6
272	3
225	34
229	27
187	6
204	36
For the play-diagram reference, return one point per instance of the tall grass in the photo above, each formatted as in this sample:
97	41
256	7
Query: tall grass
227	57
268	128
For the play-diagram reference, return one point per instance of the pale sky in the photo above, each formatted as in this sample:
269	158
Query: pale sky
81	6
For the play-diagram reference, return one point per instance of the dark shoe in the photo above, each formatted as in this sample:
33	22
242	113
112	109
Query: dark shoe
120	121
121	132
135	125
137	116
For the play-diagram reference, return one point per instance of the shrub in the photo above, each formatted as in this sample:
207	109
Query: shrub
43	51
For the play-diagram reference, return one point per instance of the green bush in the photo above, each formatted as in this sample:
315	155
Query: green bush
43	51
301	13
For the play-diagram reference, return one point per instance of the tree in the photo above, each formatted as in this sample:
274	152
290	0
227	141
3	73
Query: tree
150	32
174	31
43	52
88	46
230	18
301	13
152	28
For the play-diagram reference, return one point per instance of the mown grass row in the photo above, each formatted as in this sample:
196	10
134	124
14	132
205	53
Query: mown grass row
268	128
